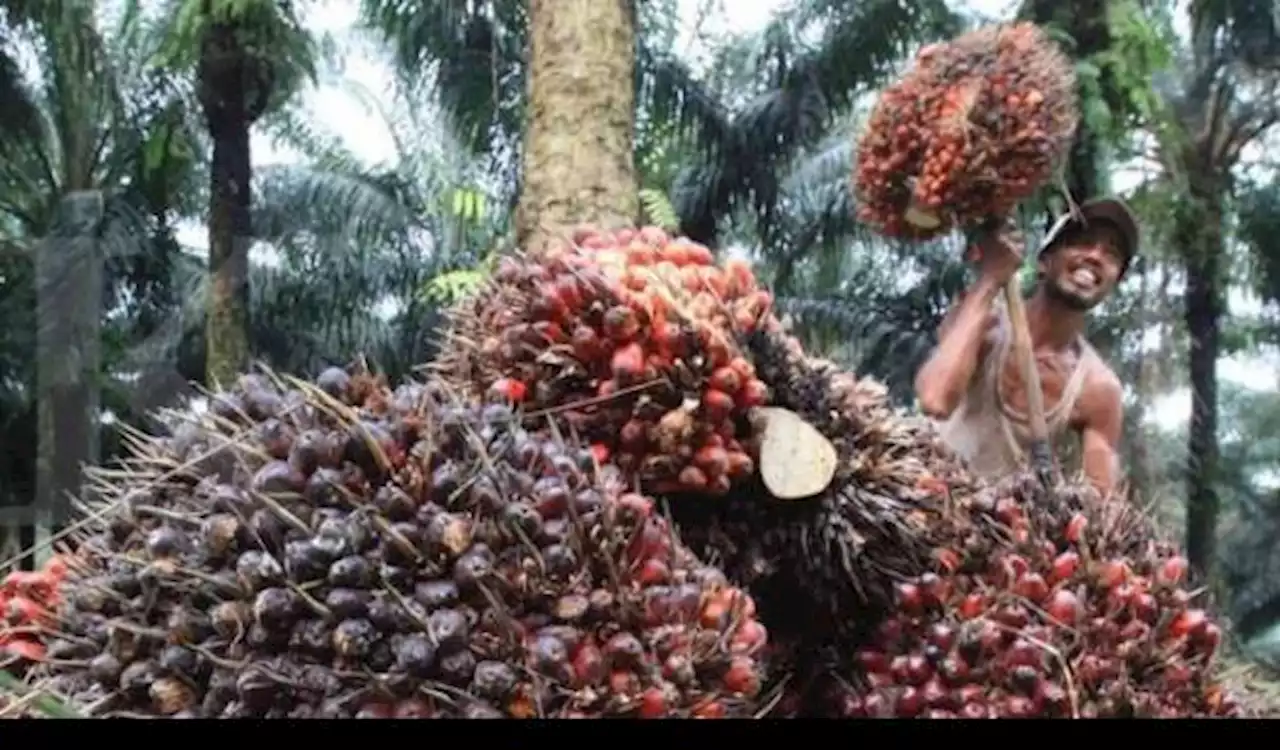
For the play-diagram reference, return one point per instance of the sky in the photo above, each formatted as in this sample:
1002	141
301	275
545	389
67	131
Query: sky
342	112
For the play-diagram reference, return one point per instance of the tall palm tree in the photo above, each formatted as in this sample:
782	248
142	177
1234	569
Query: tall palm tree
248	57
579	144
348	247
87	144
1223	97
737	143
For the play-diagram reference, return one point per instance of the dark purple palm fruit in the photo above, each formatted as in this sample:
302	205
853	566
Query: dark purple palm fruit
380	553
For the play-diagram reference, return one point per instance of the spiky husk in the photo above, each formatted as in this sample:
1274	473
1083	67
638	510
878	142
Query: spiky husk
628	337
974	128
340	549
824	569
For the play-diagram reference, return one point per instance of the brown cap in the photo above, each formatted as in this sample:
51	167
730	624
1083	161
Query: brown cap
1110	211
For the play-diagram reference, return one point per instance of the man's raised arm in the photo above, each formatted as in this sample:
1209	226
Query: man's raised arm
944	378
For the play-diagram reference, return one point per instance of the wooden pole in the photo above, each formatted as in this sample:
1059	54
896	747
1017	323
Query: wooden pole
1041	451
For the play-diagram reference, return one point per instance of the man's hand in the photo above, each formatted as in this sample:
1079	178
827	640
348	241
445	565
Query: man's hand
999	255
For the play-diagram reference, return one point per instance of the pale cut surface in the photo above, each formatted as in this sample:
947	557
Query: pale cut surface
796	461
921	218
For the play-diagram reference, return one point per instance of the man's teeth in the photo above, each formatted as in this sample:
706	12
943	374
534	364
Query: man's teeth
1084	277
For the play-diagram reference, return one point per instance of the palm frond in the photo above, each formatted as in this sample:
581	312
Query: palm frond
473	52
1259	231
883	313
20	117
801	87
294	199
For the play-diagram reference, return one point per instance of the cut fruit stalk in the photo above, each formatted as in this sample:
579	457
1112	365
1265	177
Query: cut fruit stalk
796	461
919	217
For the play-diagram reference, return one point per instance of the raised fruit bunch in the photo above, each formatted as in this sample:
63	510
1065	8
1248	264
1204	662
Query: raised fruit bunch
1059	606
340	549
629	338
973	129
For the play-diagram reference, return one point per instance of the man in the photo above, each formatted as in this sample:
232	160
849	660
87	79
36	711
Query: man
974	387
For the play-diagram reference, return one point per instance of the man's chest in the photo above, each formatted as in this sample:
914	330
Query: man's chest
1062	381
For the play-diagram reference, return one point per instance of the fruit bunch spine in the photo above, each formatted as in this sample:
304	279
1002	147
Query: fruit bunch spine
629	338
974	128
342	549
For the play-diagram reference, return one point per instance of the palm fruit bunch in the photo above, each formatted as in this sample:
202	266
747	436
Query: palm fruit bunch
822	570
27	599
1051	605
976	126
629	337
338	548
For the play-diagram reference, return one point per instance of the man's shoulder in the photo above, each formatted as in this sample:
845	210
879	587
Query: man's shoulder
1103	389
1102	377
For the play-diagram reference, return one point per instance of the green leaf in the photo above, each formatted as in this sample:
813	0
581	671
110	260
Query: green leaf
658	209
452	286
1088	71
1096	114
45	704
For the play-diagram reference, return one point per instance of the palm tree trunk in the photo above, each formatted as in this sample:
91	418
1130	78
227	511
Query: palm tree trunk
224	97
226	335
1137	451
579	163
1202	247
68	359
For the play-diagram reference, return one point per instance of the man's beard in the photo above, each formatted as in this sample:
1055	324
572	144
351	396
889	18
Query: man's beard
1069	299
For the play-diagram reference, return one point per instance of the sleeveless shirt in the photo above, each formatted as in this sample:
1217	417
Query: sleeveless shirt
991	436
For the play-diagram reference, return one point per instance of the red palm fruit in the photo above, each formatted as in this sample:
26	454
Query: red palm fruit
1064	607
1064	566
741	677
1189	622
1172	571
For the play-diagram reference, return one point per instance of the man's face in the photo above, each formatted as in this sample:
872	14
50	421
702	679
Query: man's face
1084	268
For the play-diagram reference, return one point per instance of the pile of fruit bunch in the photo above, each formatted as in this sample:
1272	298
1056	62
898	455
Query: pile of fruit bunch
630	338
911	588
1040	605
27	602
339	548
820	568
976	126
